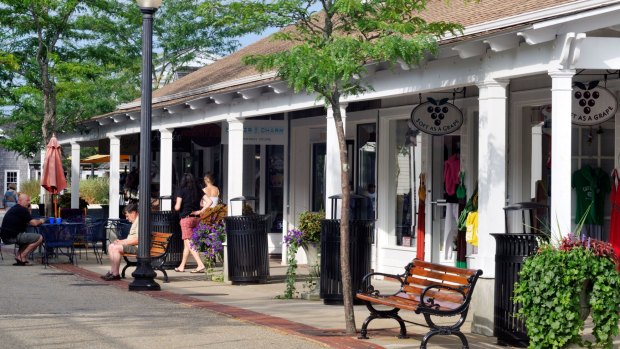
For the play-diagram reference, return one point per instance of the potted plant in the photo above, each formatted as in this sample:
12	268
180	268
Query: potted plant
308	237
208	238
559	283
310	228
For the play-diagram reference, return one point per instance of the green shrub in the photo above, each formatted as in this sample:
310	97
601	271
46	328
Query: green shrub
32	188
95	190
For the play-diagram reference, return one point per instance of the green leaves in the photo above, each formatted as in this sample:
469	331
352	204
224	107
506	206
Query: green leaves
549	290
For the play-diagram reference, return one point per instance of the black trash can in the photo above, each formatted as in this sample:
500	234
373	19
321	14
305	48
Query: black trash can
360	237
511	252
168	222
248	249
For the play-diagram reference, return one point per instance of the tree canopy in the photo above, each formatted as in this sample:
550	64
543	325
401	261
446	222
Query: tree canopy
64	61
331	51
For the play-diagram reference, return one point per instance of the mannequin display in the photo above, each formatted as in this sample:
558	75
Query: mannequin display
591	186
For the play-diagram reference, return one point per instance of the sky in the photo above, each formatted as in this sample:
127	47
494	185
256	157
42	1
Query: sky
252	38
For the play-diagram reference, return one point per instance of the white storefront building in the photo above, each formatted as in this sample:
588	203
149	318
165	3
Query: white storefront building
511	75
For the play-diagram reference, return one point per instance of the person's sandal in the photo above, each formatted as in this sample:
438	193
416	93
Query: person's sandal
111	277
179	270
196	271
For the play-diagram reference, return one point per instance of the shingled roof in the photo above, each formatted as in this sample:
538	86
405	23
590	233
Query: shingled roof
230	68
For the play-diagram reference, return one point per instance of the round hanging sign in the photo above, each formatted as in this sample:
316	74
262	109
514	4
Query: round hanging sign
592	104
437	117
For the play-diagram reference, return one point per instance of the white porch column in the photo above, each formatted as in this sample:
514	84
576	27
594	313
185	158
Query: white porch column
332	160
75	175
235	164
115	176
491	171
491	197
561	93
165	168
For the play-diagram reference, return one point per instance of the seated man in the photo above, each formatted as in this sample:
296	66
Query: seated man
120	247
14	226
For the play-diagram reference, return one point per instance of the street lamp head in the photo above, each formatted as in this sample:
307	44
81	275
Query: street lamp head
149	3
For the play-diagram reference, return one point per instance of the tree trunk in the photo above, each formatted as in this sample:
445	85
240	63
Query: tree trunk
345	270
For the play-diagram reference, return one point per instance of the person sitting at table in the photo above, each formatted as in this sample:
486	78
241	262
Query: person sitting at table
14	226
120	247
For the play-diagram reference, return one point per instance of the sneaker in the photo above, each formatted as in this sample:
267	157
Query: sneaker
108	274
112	277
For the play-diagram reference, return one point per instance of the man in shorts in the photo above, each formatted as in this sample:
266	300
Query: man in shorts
120	247
14	226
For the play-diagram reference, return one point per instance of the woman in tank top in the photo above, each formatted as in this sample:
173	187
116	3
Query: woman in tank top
211	194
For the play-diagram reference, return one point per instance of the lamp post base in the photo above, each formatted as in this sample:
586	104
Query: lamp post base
144	278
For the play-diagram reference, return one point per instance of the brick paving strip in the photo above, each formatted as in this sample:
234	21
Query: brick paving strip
331	338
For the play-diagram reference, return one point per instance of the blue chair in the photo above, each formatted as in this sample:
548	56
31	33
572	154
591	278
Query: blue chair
95	232
59	239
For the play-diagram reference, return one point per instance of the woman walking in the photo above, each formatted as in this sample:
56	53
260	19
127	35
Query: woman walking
187	203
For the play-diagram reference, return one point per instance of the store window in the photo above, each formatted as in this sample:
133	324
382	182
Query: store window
405	169
366	170
11	177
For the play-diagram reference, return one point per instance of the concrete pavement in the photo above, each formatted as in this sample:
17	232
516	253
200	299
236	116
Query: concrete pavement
258	304
53	308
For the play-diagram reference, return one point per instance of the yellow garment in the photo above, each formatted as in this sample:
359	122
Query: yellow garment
422	189
471	235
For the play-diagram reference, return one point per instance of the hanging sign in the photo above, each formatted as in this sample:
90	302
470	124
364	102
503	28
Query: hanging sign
592	104
437	117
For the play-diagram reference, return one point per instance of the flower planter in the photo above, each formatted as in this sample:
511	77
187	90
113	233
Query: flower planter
584	299
312	254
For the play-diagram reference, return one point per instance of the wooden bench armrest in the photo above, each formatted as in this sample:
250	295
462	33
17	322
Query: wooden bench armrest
370	288
432	308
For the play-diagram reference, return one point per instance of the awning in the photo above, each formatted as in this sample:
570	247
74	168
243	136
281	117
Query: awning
100	158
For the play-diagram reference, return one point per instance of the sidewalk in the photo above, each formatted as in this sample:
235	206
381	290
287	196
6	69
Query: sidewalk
257	303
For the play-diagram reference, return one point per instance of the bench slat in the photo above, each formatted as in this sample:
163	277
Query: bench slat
445	295
452	270
455	279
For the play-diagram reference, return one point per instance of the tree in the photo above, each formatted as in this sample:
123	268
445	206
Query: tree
330	53
67	67
65	61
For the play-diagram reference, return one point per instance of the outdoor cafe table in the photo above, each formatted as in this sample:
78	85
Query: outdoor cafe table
60	239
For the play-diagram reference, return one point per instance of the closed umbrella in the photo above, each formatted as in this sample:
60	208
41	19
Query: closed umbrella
53	177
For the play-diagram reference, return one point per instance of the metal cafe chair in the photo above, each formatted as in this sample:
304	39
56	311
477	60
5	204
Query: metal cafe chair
95	232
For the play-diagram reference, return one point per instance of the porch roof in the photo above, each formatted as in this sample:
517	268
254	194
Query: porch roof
482	19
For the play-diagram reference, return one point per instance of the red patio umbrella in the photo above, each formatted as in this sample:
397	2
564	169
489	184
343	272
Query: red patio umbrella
53	177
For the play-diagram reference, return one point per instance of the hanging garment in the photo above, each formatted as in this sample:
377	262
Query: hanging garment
472	228
419	254
591	186
451	169
450	229
614	231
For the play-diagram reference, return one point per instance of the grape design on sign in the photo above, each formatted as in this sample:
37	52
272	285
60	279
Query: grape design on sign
587	99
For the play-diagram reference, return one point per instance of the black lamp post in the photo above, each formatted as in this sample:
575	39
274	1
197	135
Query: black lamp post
144	275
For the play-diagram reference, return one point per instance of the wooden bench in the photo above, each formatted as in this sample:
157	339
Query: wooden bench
428	289
159	253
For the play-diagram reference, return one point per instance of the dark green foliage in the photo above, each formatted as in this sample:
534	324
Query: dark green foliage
65	61
549	292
